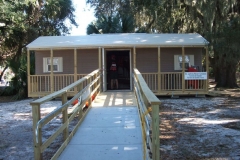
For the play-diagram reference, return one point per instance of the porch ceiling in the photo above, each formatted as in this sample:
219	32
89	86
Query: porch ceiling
118	40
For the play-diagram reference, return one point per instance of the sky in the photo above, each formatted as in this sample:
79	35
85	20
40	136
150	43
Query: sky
84	16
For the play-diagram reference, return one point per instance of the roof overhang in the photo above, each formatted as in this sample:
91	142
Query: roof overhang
125	40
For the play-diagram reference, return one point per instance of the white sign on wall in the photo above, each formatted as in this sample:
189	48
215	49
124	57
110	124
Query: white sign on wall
195	75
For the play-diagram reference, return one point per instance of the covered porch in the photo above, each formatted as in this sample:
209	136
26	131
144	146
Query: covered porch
160	79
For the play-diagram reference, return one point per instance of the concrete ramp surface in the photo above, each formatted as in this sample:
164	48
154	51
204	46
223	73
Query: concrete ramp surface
109	132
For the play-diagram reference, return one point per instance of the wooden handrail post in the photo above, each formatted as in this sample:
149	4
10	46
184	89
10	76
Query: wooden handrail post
37	146
134	57
80	113
51	75
183	69
99	81
65	116
89	81
75	69
100	67
155	132
95	77
159	70
28	71
207	69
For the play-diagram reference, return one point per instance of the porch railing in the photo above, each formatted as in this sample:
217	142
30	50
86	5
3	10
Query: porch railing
42	83
172	81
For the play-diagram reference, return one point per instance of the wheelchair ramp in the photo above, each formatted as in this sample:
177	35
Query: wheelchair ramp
111	130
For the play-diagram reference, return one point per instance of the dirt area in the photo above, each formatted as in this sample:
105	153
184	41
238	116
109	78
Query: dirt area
6	99
191	128
16	134
200	128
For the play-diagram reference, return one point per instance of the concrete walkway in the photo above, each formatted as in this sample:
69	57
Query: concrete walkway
111	130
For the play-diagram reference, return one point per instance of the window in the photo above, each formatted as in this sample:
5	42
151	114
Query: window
57	64
189	61
186	65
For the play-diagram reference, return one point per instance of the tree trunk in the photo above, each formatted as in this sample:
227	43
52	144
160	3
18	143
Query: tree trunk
221	74
226	75
231	77
5	68
217	73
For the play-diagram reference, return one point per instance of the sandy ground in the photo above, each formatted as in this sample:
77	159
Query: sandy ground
16	134
200	128
191	128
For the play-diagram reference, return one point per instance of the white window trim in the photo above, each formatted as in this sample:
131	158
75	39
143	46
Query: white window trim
177	63
45	65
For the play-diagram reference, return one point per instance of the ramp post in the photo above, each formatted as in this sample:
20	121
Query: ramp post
155	132
65	116
37	138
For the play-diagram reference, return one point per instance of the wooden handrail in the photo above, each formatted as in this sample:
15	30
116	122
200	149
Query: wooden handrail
147	102
93	84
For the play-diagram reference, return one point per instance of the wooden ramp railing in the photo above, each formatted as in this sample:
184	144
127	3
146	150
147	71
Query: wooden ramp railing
87	87
148	105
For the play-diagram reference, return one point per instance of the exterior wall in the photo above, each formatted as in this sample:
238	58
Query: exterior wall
87	60
68	61
147	59
167	57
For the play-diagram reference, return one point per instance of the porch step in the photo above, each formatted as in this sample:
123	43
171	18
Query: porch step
174	96
200	95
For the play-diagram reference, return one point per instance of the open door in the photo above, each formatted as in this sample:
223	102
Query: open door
122	59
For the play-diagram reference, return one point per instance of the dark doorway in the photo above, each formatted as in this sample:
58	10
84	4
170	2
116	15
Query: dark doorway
123	69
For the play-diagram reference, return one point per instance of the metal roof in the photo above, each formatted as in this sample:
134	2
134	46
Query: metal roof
118	40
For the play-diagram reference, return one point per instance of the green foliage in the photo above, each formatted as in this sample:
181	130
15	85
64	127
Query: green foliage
226	41
216	20
18	84
22	21
226	47
113	16
111	24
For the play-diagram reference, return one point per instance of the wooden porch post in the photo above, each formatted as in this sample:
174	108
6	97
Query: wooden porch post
159	69
51	76
207	68
134	57
75	69
100	67
28	72
183	69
